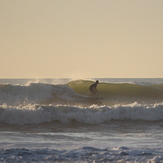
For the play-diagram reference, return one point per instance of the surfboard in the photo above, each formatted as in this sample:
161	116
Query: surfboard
98	98
91	97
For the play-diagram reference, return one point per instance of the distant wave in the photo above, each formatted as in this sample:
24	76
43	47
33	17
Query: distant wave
36	114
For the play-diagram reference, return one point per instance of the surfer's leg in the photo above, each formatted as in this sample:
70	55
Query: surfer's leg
93	92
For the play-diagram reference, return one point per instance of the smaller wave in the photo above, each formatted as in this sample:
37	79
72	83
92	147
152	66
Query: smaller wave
37	114
83	154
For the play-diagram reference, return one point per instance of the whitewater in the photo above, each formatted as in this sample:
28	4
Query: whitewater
56	120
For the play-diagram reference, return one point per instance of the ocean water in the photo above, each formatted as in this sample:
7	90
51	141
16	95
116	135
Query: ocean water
55	120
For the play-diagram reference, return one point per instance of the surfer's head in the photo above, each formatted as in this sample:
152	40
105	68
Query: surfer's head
97	81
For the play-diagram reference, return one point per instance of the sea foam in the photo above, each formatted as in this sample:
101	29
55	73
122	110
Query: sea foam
36	114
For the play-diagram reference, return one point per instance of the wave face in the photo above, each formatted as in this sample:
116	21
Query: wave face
37	103
122	92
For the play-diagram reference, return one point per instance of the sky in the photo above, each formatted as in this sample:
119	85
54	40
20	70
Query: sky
81	38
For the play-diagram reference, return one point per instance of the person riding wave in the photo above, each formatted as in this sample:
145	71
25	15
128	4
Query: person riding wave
93	89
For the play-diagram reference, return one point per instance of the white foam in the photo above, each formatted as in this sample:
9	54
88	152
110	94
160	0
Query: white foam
35	93
35	114
32	93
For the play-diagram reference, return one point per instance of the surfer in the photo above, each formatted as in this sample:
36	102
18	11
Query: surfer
93	89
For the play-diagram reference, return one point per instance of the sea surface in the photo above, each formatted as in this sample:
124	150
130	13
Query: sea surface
56	120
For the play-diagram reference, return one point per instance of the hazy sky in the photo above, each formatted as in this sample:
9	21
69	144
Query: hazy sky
81	38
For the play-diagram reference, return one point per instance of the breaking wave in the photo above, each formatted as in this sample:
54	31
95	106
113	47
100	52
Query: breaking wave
36	114
77	93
